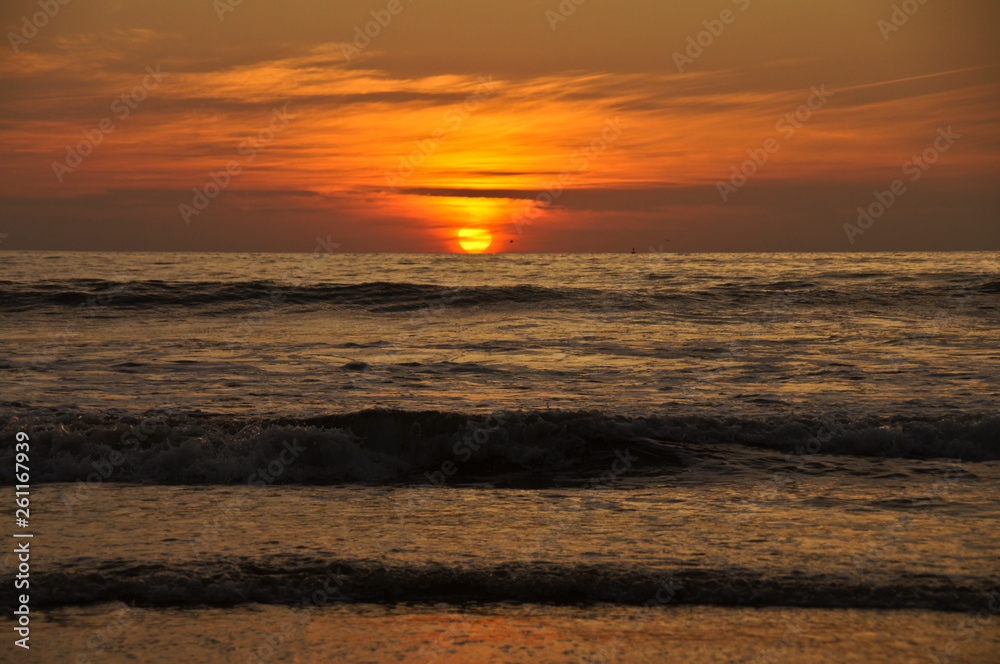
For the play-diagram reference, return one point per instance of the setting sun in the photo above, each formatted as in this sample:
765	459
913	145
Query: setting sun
475	240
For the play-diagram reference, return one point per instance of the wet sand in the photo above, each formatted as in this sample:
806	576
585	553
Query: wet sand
112	633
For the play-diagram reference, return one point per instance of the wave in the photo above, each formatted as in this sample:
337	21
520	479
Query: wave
990	287
225	582
534	448
377	296
92	296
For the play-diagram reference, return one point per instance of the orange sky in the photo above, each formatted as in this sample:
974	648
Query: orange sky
461	114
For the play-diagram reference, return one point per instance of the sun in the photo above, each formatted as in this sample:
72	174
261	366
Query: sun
475	240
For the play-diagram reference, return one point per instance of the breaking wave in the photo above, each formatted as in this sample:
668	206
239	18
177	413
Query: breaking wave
227	582
410	446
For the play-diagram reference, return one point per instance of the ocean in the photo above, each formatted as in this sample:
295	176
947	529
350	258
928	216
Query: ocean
505	457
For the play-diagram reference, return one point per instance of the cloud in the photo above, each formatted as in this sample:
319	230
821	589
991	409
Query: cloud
377	137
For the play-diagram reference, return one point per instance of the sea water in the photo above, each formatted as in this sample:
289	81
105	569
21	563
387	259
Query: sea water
259	457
